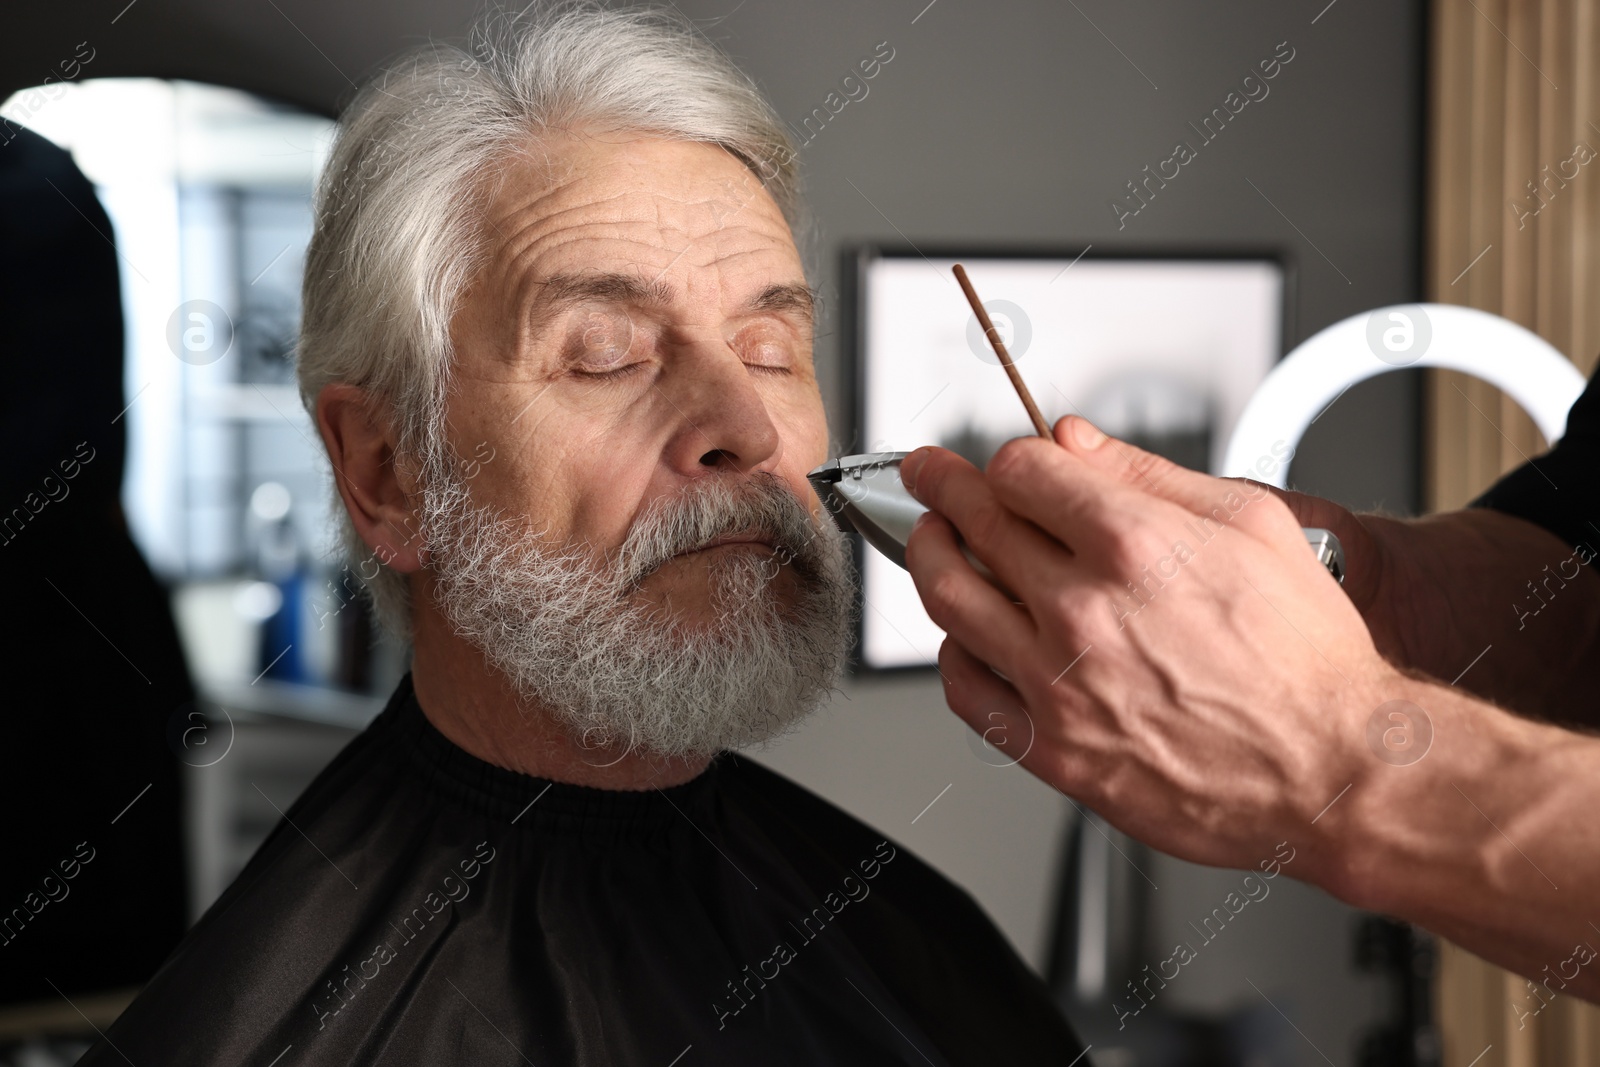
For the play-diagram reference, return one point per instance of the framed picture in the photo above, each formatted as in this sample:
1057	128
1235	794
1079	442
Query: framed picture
1162	350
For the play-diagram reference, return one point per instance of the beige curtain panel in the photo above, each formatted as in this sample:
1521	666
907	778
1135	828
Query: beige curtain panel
1514	228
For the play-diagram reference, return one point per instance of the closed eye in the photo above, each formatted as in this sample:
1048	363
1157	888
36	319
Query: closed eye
617	373
599	343
768	347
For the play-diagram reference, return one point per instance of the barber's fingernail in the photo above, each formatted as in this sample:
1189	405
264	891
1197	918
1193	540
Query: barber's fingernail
921	519
910	466
1087	434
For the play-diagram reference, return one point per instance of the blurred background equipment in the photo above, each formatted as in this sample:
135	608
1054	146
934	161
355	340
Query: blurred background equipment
185	435
1491	349
209	195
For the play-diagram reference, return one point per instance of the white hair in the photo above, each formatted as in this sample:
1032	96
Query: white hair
398	210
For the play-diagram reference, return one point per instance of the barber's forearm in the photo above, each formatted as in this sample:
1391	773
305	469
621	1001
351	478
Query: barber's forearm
1488	839
1459	583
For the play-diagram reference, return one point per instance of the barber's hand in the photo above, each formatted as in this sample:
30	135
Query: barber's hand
1179	662
1374	546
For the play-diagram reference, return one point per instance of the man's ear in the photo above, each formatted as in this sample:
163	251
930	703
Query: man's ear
362	450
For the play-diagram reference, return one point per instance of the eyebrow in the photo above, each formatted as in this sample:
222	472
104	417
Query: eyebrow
562	290
790	297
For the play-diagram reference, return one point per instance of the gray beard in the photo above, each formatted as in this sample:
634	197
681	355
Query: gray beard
573	638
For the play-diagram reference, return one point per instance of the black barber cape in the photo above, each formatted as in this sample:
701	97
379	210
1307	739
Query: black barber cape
420	906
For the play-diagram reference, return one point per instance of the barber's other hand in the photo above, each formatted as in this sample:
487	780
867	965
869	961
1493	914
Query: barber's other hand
1179	662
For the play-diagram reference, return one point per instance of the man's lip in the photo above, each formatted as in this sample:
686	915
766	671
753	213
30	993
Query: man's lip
734	539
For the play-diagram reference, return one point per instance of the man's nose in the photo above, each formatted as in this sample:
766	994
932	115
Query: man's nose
724	422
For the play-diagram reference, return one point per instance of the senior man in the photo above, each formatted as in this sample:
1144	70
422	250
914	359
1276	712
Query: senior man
557	340
1224	694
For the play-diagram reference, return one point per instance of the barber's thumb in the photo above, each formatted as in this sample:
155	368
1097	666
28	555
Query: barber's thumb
1089	443
1079	435
1135	467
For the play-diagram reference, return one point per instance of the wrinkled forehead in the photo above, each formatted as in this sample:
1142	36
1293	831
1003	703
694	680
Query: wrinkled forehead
627	201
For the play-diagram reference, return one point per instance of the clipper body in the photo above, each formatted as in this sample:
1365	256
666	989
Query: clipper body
863	493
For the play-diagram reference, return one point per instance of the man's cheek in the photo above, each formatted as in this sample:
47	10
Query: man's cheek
602	496
549	464
802	425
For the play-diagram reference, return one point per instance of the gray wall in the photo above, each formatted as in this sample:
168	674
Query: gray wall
1016	122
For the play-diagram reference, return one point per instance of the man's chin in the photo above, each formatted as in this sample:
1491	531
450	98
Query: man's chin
690	591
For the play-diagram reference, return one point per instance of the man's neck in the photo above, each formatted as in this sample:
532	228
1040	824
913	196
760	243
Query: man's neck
476	708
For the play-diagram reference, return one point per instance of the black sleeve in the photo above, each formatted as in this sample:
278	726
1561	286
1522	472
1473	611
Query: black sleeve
1561	489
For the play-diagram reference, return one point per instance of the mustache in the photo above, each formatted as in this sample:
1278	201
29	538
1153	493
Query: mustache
759	505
